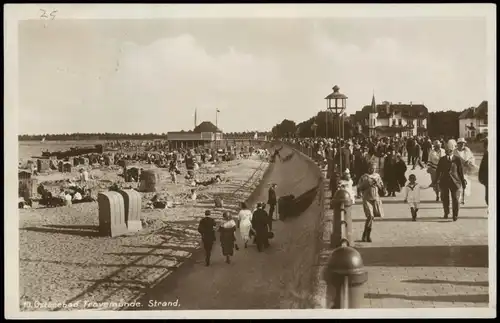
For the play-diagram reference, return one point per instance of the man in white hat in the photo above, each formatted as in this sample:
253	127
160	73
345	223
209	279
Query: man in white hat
450	178
468	164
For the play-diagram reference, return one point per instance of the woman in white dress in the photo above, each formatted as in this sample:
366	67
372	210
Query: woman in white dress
468	164
245	223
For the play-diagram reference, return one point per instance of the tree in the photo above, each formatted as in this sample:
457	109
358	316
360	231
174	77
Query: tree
443	123
286	128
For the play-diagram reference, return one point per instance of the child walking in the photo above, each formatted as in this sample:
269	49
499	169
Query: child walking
411	193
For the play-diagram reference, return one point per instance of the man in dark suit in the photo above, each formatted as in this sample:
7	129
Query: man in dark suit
207	230
483	170
272	200
410	150
260	224
450	178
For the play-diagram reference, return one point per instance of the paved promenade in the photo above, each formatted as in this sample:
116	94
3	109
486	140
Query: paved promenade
429	263
278	278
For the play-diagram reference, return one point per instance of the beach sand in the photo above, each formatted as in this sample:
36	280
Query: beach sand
66	265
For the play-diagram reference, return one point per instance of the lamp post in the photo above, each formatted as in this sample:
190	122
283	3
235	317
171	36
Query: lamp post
313	128
336	104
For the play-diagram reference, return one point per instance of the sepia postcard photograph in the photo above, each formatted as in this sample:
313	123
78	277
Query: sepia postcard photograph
250	161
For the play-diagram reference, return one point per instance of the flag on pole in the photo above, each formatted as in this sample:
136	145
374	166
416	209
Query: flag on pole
218	110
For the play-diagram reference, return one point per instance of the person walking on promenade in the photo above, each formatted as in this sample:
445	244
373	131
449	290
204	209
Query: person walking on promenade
260	225
358	163
411	193
377	162
468	165
434	156
364	166
272	200
369	185
450	178
390	176
207	230
227	236
483	170
417	155
426	149
276	154
245	223
400	170
345	156
410	145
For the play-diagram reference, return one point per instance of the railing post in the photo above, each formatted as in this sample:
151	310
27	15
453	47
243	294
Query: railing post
342	222
345	274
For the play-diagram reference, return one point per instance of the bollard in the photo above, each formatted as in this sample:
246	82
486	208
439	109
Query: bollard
341	204
345	277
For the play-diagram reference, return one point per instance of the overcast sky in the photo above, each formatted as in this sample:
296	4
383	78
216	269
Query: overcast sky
150	75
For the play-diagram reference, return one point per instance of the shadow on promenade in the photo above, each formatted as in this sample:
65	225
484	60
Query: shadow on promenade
423	219
76	230
426	256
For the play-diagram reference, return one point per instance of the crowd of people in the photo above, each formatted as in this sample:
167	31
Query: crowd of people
373	167
368	168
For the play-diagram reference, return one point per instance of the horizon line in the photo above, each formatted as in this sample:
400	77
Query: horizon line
127	133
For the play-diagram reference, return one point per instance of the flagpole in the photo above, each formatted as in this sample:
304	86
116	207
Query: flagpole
216	118
216	126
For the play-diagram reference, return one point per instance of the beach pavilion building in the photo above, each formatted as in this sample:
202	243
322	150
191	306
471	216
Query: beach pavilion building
203	134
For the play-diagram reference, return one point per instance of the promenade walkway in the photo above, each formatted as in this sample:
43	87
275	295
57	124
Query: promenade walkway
278	278
429	263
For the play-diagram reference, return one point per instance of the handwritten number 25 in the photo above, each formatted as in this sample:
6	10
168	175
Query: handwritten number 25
51	16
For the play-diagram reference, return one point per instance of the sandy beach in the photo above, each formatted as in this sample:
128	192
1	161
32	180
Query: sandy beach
66	265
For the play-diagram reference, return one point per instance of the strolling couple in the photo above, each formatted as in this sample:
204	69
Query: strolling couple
257	224
227	231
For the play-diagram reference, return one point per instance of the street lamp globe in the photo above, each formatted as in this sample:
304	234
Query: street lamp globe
336	102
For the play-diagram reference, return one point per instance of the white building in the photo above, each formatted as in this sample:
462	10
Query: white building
202	134
474	121
389	119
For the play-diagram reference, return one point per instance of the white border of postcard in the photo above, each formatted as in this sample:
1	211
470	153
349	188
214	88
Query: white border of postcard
14	12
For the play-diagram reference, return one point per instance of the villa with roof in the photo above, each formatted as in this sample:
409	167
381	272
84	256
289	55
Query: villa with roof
474	121
389	119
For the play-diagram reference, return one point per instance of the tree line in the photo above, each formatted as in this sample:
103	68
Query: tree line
120	136
439	124
322	125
